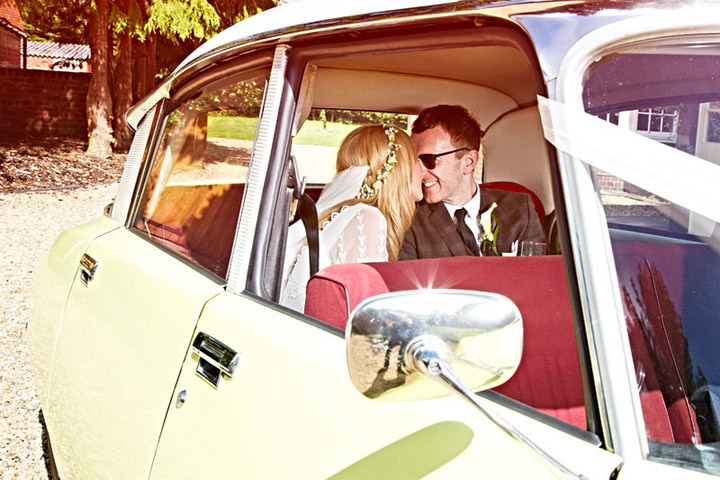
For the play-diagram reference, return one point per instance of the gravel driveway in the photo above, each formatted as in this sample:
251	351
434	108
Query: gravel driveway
29	222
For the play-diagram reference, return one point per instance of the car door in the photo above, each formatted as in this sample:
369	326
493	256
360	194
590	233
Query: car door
635	123
290	411
140	289
123	336
266	392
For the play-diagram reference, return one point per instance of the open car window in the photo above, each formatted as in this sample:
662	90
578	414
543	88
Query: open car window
193	191
651	145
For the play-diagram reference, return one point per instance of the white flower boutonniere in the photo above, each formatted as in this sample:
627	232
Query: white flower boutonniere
488	231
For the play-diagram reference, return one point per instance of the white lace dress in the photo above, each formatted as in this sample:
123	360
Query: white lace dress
358	233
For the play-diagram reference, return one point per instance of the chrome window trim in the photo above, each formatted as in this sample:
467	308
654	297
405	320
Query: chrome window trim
131	171
259	162
135	114
599	289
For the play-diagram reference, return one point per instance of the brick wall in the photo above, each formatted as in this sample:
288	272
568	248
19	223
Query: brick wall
609	183
42	103
10	54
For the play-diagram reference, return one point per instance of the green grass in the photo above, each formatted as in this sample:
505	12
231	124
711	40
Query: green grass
242	128
312	132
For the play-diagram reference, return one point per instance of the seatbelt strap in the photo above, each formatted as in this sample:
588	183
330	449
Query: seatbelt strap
303	208
307	212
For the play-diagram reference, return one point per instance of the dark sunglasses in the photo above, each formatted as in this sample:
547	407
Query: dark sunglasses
428	159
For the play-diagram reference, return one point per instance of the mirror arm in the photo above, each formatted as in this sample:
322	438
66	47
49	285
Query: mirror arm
427	354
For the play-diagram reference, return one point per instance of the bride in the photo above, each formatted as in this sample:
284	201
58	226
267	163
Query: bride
363	212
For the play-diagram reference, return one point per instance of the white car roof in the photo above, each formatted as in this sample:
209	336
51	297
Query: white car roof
300	12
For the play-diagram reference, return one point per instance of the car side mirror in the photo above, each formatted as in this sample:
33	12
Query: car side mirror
410	345
393	339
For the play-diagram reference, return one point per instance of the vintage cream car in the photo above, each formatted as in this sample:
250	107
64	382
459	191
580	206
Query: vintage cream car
159	346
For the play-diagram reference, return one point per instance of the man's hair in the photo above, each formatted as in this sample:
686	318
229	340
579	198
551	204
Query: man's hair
462	127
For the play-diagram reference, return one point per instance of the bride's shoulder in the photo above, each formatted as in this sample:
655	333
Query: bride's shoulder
359	214
369	215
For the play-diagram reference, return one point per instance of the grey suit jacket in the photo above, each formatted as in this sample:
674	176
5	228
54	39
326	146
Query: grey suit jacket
432	233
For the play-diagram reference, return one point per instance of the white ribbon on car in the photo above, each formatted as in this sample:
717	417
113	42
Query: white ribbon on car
674	175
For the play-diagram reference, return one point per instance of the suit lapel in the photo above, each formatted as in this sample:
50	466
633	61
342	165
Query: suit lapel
445	228
486	199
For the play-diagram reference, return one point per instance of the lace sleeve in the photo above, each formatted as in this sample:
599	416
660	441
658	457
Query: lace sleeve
363	239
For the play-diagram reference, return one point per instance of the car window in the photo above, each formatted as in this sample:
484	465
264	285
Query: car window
666	251
192	194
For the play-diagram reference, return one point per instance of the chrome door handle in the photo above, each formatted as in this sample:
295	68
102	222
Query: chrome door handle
88	267
216	358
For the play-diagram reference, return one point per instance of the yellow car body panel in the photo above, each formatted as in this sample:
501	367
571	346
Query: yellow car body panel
52	279
119	348
290	411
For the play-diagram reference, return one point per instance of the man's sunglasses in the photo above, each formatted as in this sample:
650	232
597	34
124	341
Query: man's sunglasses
428	159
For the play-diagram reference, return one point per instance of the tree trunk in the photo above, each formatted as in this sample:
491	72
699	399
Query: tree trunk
139	68
122	87
99	99
152	67
144	66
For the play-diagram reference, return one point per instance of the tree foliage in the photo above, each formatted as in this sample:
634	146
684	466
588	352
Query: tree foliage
140	26
56	20
183	19
359	117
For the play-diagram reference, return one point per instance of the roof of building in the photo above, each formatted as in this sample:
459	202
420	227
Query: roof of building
10	12
70	51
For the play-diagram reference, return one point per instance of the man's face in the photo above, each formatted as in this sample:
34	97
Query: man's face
451	180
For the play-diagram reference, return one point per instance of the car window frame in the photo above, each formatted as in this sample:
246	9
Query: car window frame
372	37
604	319
179	93
301	53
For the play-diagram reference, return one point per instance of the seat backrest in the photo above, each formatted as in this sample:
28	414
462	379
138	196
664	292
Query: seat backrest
549	375
515	150
516	187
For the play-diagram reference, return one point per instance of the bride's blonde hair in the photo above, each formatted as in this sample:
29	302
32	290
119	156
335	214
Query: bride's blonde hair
371	145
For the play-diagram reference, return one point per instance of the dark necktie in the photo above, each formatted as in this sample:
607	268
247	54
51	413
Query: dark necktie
465	232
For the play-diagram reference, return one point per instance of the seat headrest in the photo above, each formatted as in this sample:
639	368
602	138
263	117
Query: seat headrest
515	150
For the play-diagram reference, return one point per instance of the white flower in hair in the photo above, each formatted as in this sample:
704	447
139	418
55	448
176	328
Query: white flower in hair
366	191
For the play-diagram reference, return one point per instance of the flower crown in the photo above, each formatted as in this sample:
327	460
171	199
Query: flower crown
367	192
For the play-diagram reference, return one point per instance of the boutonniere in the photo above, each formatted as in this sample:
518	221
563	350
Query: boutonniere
488	231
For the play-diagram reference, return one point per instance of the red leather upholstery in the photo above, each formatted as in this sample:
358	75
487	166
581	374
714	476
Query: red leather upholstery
549	375
517	187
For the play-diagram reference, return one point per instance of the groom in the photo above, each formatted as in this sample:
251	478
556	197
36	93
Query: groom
449	220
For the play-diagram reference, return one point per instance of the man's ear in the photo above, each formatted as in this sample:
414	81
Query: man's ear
470	161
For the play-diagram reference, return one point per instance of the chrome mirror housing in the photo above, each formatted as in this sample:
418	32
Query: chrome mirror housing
393	339
419	344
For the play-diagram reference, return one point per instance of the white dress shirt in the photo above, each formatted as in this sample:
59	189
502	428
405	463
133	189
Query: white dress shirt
473	210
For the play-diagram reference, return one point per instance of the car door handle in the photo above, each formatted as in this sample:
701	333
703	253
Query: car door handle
88	267
215	358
